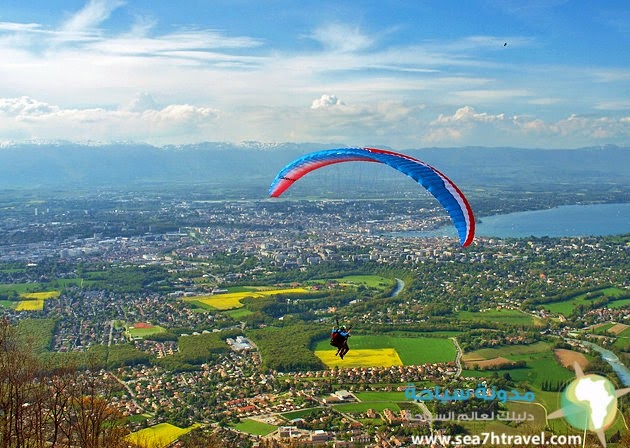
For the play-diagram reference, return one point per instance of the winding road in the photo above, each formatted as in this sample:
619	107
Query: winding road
458	358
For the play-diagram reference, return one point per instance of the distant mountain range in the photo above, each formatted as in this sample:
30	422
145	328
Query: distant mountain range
252	164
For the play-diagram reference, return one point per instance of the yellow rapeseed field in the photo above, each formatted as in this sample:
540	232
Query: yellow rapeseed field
158	436
30	305
41	295
34	301
373	357
233	299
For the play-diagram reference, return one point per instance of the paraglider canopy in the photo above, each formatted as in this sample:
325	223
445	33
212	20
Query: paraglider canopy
440	186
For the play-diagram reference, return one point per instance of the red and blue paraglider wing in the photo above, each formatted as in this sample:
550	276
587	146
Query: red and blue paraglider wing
440	186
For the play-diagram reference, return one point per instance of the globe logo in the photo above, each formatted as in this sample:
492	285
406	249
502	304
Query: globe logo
590	402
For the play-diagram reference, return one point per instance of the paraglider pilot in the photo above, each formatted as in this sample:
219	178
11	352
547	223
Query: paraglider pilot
339	338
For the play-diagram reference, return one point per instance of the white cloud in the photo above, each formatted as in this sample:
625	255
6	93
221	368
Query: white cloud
20	27
40	120
342	38
143	101
490	95
25	107
443	136
621	104
191	42
591	127
467	114
325	102
91	15
544	101
390	122
481	128
610	75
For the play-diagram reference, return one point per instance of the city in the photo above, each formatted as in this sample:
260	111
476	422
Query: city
115	272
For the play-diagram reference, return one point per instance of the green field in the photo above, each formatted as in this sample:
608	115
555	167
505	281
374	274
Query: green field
510	317
238	313
38	333
412	350
233	289
53	287
20	288
371	281
302	413
566	307
378	401
380	396
621	303
254	427
623	339
509	351
541	364
355	408
601	328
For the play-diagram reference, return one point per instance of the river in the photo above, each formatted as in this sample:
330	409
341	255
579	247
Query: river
620	369
398	288
567	220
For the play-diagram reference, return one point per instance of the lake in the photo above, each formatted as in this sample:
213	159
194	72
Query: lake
567	220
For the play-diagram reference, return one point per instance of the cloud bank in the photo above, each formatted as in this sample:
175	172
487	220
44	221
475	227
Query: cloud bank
94	76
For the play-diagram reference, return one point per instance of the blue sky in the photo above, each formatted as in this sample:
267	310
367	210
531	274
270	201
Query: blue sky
402	74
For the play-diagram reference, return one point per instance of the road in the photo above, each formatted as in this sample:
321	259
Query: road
458	358
111	331
129	391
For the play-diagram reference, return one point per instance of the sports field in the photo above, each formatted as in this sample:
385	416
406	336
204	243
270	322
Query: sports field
143	329
254	427
232	300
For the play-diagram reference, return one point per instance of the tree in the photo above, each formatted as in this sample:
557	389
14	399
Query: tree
42	407
18	372
89	420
